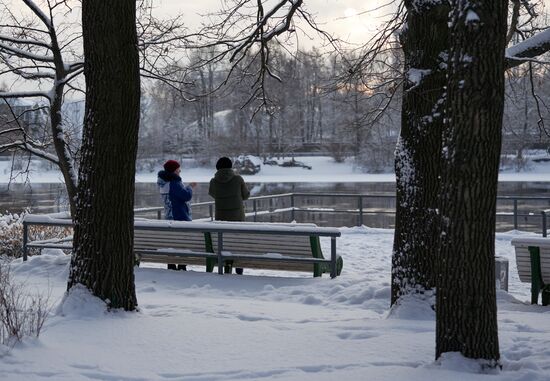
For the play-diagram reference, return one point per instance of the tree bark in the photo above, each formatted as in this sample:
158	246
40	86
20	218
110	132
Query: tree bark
417	169
103	258
466	300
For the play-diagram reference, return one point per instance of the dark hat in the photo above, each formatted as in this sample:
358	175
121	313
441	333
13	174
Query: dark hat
224	162
171	165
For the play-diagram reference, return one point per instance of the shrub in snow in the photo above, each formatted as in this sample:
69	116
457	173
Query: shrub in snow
21	313
375	158
338	151
517	163
11	234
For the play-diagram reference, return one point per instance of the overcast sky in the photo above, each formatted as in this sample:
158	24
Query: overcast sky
354	21
350	20
345	18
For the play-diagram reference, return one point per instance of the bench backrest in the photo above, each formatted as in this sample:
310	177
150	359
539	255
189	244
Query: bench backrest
160	239
523	257
145	239
261	244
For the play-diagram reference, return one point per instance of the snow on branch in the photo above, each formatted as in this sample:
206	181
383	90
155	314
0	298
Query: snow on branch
24	41
24	94
528	49
29	147
259	35
24	53
33	75
38	12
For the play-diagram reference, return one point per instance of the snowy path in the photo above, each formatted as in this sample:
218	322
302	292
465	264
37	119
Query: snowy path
198	326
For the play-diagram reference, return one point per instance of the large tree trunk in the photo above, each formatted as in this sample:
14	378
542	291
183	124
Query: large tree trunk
466	301
103	238
417	169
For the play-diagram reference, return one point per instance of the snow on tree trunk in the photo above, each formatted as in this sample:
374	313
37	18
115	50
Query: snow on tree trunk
103	259
466	300
417	169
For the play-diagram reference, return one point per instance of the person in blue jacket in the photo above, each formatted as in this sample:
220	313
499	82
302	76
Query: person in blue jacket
176	197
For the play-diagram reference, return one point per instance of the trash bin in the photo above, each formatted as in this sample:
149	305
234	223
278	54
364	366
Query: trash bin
501	273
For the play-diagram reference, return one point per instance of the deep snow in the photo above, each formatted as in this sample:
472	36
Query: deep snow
278	326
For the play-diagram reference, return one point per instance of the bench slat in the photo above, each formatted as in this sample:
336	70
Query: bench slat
250	244
50	245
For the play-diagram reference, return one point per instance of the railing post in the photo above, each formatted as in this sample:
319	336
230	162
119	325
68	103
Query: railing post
543	216
25	239
271	205
159	214
515	214
254	208
333	257
210	212
292	216
220	257
360	205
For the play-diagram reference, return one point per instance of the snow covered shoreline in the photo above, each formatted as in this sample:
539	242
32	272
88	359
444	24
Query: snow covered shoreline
279	326
324	169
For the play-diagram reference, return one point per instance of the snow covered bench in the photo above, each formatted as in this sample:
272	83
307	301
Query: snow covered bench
288	247
533	263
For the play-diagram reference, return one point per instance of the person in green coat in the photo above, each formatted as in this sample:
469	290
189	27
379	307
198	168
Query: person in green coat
228	191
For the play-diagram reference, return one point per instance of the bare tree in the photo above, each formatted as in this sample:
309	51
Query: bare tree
33	49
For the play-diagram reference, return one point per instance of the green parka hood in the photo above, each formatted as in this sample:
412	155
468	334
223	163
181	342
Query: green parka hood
224	175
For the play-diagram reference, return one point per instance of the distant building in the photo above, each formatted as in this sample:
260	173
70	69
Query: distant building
30	115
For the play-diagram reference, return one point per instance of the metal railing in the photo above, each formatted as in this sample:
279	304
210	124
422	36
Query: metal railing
544	215
508	207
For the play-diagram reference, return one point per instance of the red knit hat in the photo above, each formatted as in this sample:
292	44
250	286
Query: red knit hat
171	165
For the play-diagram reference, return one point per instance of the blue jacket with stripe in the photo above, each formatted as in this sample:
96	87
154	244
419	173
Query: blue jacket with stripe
176	196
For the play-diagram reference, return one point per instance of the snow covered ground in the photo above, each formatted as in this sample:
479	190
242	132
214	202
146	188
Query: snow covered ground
279	326
324	169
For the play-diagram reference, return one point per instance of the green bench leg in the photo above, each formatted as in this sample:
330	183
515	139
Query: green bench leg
316	253
210	264
546	295
536	276
228	267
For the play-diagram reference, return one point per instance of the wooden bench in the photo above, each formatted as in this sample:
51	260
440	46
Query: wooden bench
288	247
533	263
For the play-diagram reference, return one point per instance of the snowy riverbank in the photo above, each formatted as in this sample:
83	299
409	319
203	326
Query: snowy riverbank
198	326
324	169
